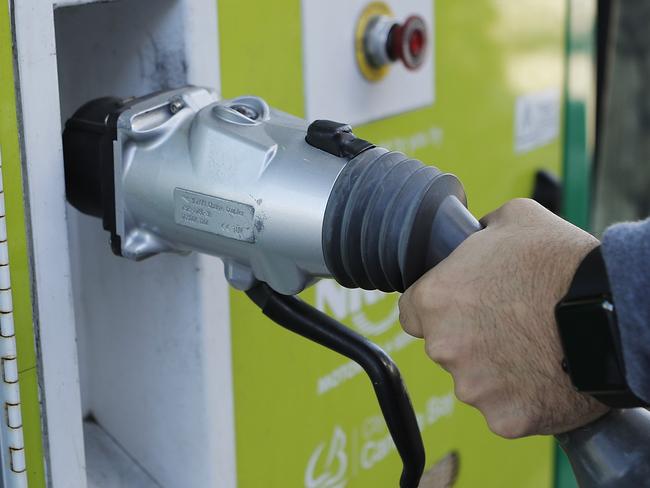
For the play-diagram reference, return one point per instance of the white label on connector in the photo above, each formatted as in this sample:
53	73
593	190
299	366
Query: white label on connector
213	214
537	119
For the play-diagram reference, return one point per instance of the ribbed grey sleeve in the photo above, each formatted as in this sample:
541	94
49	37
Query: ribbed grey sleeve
626	249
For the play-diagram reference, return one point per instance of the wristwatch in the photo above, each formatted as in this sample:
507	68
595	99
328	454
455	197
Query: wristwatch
588	328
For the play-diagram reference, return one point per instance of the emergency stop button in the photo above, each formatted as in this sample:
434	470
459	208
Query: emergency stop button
381	40
408	42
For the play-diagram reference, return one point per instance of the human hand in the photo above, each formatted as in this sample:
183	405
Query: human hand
486	314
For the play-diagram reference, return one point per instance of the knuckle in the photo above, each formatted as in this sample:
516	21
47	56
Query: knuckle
407	318
439	352
517	206
404	301
410	326
464	392
419	295
515	211
522	203
508	427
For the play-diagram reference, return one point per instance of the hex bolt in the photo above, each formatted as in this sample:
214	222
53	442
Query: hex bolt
176	105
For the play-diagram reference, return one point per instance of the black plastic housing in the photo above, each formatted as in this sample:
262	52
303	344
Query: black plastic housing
89	161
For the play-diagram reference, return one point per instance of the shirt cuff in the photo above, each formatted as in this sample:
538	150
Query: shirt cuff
626	249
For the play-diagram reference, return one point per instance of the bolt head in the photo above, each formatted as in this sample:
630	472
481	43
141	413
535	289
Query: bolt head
175	106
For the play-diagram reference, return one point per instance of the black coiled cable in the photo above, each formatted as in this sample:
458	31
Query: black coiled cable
297	316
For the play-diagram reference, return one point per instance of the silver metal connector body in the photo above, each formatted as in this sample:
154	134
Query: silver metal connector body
231	178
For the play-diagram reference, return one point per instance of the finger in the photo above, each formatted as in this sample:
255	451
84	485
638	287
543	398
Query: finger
474	384
506	423
439	355
408	316
492	218
517	210
442	346
451	342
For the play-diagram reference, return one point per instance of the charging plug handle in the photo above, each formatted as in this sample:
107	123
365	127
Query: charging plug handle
298	316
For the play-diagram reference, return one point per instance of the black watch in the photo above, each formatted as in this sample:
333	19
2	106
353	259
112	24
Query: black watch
586	319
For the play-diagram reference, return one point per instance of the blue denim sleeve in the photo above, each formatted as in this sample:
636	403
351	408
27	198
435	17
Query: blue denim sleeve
626	249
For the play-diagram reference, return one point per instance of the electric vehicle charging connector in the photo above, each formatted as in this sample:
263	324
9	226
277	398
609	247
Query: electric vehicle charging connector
284	204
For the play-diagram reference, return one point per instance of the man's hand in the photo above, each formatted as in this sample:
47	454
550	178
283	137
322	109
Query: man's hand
486	314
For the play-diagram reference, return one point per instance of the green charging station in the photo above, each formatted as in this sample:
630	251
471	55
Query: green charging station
507	89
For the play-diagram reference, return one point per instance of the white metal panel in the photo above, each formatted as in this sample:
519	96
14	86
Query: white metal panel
154	337
39	111
334	86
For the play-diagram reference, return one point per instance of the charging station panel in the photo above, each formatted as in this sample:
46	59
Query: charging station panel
304	415
157	374
334	85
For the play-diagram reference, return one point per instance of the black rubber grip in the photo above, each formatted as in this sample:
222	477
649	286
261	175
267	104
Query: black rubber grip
378	231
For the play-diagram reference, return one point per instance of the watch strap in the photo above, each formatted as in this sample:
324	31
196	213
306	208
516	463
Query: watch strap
590	279
591	282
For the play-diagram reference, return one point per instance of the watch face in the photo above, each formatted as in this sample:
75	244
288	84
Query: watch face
589	336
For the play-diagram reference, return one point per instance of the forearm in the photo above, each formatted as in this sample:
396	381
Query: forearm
626	249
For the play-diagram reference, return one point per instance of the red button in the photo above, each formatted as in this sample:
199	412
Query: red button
416	42
409	42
